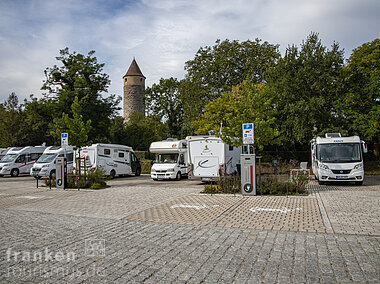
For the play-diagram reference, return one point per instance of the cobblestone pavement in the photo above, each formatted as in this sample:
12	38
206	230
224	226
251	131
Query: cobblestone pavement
351	209
106	236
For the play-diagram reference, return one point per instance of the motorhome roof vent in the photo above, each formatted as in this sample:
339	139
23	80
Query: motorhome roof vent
171	139
333	135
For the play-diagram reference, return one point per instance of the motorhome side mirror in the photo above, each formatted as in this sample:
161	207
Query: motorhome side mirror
365	148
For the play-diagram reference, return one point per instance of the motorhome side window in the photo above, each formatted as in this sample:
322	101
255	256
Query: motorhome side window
134	158
181	159
107	152
21	159
121	155
34	156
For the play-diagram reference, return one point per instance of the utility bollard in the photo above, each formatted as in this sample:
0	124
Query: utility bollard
49	182
37	180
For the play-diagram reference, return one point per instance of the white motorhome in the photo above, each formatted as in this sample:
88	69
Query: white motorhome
19	160
113	159
335	158
3	152
171	162
209	156
45	165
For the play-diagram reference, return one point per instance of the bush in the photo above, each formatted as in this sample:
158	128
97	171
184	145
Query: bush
226	184
92	179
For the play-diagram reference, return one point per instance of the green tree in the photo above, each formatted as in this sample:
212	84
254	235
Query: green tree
164	100
77	129
38	114
247	102
81	76
12	130
304	86
141	131
361	103
216	69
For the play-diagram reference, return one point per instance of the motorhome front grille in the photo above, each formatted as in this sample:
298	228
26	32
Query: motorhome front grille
344	172
161	171
36	169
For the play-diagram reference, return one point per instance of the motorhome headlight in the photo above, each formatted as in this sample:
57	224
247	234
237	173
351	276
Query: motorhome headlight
323	166
5	165
45	166
358	167
170	170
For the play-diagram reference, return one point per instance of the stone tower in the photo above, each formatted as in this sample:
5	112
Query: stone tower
134	86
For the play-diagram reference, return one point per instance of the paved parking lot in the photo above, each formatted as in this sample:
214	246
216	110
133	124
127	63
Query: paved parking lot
145	231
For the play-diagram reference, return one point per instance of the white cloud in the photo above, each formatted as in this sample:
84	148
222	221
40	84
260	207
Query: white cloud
162	34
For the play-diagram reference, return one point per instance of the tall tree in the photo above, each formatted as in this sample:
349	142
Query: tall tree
247	102
164	100
304	84
12	130
216	69
81	76
361	103
76	128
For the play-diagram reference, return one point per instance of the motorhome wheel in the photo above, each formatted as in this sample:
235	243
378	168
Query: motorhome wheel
178	177
53	174
113	174
138	172
358	182
14	172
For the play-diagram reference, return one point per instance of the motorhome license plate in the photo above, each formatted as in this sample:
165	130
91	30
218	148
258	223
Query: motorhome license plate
342	177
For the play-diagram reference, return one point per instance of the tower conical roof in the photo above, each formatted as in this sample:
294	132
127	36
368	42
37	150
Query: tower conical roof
134	70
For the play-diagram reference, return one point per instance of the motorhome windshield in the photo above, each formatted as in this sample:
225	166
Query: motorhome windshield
47	158
167	158
8	158
339	153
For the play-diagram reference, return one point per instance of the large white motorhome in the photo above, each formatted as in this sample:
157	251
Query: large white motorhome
171	162
335	158
209	156
113	159
45	165
19	160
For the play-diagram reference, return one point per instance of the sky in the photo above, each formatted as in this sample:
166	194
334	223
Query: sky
162	34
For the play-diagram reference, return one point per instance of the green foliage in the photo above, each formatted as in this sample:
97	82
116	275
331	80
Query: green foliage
78	130
229	184
304	85
245	103
164	101
92	179
12	130
141	131
81	76
216	69
361	103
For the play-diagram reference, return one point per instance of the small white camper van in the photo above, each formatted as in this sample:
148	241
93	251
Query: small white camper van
113	159
171	162
335	158
209	156
19	160
45	165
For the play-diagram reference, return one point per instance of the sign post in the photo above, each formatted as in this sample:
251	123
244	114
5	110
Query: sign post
64	140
